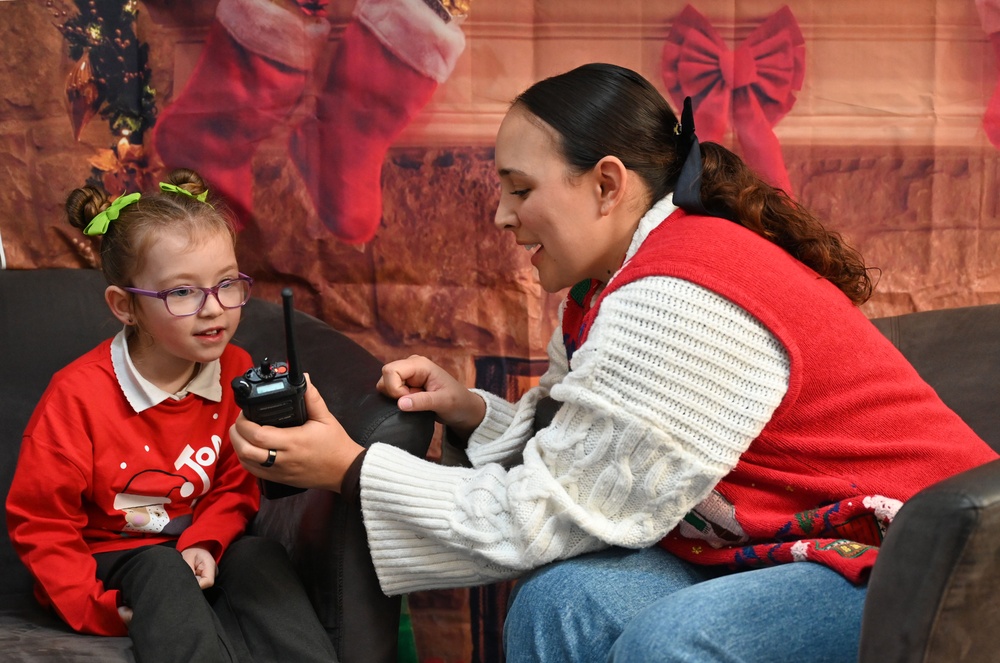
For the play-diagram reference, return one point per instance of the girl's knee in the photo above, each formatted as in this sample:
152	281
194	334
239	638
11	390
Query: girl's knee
253	550
258	561
162	560
155	575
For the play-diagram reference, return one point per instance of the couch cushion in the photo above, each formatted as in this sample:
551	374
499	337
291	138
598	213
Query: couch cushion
32	635
50	317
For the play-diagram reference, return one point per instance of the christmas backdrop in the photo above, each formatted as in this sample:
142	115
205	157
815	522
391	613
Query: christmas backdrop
353	139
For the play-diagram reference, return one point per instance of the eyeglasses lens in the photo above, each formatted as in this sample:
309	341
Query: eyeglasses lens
233	294
188	301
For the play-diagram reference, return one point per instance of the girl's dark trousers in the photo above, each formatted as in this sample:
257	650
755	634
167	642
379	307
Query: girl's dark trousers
256	612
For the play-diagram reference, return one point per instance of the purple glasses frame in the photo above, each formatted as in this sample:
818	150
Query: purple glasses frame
214	291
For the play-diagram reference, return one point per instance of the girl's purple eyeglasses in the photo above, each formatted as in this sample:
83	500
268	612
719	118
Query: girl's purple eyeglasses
186	300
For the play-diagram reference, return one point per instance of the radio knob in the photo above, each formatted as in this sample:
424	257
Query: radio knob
242	388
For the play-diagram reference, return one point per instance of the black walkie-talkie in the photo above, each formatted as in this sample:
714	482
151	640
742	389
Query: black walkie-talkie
273	394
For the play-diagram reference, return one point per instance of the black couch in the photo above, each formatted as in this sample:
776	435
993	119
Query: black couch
48	317
932	591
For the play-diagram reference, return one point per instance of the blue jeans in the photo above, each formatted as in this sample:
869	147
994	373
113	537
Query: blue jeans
627	606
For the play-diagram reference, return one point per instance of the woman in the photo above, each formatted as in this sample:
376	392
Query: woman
725	409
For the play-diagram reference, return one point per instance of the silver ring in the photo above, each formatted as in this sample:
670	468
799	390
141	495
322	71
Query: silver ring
272	456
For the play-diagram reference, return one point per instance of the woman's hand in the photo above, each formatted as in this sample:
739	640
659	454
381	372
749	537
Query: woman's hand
125	613
316	454
418	384
203	565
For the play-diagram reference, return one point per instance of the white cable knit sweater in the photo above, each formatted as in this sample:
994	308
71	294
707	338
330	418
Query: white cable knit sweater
673	383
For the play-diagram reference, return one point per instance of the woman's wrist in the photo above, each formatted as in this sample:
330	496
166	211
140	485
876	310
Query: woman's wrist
473	413
350	487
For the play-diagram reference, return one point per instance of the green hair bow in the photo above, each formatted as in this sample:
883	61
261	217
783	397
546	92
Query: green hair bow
99	224
173	188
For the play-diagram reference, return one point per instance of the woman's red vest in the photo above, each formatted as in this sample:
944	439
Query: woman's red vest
857	432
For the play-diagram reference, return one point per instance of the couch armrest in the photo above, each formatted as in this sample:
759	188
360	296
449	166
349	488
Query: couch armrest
935	577
325	536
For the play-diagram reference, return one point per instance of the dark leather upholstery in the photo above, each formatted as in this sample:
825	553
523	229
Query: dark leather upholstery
48	317
932	594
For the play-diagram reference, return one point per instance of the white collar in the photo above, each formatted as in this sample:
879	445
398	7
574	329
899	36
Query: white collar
656	215
650	220
143	394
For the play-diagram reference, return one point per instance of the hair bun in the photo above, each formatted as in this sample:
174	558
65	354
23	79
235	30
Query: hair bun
84	204
188	180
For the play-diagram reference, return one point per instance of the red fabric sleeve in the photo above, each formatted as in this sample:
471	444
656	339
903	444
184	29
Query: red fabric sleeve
45	519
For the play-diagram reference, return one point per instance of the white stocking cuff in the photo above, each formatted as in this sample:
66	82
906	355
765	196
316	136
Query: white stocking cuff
415	34
270	31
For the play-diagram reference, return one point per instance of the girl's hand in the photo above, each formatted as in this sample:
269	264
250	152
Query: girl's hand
419	384
316	454
203	565
125	613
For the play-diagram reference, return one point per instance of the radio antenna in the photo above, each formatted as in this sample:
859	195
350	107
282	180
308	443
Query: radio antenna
295	377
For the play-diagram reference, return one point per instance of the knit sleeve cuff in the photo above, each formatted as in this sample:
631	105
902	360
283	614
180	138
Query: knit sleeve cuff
505	430
499	415
415	34
407	505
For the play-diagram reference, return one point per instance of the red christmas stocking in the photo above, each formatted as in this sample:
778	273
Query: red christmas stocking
989	13
248	79
393	55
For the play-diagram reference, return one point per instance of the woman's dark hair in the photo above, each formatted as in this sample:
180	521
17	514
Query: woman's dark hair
127	239
602	109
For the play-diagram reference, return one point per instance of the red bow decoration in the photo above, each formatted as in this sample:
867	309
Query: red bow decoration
755	83
989	15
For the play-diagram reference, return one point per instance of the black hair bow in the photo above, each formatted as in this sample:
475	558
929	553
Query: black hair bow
687	193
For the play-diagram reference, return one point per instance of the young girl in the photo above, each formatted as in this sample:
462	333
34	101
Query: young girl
733	435
128	505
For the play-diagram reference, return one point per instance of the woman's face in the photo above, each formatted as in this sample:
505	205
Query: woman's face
170	345
553	214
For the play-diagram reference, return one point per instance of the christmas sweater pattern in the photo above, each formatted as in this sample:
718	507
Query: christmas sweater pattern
857	434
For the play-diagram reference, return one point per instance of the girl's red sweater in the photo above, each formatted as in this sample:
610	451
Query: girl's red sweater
95	476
